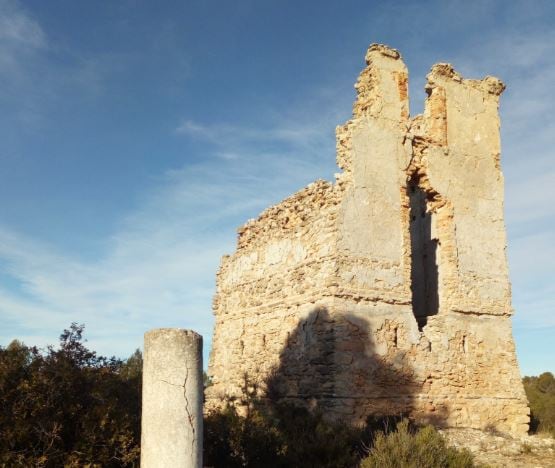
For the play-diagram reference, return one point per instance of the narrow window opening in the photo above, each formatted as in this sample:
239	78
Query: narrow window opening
424	269
464	344
395	337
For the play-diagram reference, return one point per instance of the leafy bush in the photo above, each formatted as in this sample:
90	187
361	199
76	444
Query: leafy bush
284	436
414	448
541	396
272	434
234	441
68	406
278	436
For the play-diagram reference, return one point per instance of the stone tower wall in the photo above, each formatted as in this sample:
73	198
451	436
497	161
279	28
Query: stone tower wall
387	291
283	265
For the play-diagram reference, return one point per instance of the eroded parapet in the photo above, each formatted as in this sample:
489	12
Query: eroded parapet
382	97
382	87
290	215
284	240
456	156
462	113
373	151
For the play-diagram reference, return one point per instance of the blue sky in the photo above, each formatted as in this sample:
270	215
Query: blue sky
136	136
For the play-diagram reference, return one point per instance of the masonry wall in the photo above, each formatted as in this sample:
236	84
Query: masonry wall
388	290
280	272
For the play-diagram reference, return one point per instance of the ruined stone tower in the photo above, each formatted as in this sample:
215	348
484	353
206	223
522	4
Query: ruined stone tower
387	291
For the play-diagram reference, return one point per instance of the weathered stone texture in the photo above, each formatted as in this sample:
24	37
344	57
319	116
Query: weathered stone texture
171	425
387	291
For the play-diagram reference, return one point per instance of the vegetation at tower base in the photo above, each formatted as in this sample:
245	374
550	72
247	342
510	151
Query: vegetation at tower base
254	432
414	448
289	436
541	395
257	432
68	406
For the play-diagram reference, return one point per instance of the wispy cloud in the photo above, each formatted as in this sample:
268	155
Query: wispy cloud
41	72
17	29
299	134
35	72
159	266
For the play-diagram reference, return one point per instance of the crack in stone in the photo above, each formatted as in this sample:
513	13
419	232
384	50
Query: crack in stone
189	415
169	383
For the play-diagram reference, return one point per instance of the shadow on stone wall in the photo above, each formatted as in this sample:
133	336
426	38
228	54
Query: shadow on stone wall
334	364
337	383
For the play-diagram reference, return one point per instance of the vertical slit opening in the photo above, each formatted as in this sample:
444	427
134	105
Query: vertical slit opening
424	268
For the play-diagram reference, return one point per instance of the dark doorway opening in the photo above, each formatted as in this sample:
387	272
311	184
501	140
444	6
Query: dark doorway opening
424	269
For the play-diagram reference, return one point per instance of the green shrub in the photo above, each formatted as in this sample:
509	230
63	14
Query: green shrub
270	433
234	441
279	435
418	448
68	406
541	396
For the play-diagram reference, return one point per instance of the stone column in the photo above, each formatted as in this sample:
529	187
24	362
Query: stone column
171	432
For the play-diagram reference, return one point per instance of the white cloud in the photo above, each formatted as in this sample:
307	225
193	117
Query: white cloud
159	265
33	78
41	72
301	134
19	29
22	41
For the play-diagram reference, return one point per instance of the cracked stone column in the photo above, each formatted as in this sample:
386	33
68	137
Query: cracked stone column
171	433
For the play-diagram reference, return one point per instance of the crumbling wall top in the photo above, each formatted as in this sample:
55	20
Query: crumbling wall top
381	49
445	71
382	91
288	215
